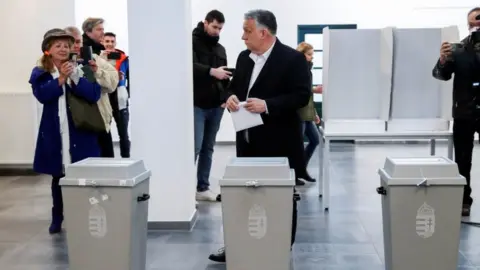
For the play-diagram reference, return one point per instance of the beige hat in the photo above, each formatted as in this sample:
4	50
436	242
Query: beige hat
53	34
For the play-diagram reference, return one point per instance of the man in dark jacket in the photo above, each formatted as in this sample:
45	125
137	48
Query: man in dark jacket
465	64
209	82
93	32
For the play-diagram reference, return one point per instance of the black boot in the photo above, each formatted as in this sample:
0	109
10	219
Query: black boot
466	210
57	209
219	256
299	182
308	178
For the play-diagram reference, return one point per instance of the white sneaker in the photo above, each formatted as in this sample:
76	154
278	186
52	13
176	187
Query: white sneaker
206	195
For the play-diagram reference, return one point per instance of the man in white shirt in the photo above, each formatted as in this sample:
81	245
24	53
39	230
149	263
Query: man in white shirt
274	81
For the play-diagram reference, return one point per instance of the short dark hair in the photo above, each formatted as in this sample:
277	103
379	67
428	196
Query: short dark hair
110	34
263	18
215	15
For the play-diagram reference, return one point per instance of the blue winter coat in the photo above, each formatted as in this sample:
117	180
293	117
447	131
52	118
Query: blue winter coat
48	151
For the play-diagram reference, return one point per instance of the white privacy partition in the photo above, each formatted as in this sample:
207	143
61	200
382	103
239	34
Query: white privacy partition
356	80
420	102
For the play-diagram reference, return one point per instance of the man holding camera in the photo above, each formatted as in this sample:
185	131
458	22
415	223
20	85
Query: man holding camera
119	98
463	60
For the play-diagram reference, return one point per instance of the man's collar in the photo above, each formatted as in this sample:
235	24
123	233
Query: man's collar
265	55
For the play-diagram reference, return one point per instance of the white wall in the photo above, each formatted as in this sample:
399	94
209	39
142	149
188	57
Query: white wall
24	24
366	14
114	12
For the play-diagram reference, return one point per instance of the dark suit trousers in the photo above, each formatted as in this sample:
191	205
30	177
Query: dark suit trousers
253	149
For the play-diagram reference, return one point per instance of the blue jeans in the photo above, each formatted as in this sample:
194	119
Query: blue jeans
310	130
207	123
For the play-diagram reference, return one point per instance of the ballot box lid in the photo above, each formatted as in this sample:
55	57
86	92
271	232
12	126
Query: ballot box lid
420	171
258	171
105	172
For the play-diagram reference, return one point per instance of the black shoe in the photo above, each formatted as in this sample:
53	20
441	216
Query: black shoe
219	197
299	182
466	210
57	219
308	178
219	256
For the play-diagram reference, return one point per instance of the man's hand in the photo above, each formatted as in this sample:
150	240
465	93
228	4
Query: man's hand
256	105
220	73
445	52
93	65
317	119
232	103
318	89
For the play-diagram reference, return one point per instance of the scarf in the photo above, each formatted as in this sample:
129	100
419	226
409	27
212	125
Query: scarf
63	117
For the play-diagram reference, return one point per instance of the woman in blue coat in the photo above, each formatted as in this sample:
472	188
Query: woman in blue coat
59	143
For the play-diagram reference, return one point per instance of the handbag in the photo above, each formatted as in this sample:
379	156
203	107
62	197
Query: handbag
85	115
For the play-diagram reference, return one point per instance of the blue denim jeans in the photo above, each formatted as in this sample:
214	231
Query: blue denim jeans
122	118
311	131
207	123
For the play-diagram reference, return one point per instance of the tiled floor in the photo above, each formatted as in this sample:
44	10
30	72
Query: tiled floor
346	238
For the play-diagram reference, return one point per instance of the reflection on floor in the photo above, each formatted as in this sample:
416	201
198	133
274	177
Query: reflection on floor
348	237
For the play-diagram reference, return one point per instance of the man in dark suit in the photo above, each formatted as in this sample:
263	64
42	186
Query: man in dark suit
273	79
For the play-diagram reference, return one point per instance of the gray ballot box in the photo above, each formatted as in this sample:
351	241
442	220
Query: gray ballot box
106	213
257	207
422	206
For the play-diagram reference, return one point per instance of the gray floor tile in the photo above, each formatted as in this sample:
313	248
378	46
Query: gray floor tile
348	237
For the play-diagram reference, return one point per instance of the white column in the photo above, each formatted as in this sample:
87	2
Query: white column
160	46
24	22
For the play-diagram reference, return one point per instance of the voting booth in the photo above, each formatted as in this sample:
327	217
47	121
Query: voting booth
106	213
419	101
257	208
421	206
357	77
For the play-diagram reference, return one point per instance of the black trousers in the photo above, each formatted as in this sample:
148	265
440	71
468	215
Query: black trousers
106	145
463	137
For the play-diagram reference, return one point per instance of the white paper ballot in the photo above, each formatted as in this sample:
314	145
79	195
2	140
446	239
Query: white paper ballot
243	119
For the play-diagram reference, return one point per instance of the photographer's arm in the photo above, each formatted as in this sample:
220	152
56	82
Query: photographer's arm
199	70
443	71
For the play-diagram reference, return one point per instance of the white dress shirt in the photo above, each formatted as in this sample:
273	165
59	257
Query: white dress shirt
259	61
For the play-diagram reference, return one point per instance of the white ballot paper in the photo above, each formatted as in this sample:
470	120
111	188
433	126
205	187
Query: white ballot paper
243	119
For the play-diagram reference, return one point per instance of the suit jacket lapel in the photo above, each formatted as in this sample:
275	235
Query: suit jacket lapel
248	74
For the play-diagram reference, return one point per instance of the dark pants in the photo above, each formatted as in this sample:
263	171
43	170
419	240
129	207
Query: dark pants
245	149
122	118
207	123
463	137
311	131
57	199
106	145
